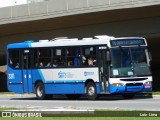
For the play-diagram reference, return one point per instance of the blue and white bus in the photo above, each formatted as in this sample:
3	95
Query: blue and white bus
89	66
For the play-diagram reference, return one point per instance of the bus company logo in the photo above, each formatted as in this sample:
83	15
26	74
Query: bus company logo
62	74
21	114
88	73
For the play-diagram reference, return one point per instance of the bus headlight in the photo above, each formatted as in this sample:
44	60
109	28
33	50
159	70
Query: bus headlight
148	83
118	84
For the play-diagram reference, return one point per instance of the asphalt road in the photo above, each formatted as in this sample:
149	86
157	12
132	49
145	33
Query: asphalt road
151	103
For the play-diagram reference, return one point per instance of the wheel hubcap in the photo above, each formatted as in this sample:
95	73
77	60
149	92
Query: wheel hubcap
91	91
39	91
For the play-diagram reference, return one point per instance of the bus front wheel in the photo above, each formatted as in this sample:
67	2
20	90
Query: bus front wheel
91	91
40	92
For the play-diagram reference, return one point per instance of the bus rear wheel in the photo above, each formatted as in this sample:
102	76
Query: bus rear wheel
40	92
91	91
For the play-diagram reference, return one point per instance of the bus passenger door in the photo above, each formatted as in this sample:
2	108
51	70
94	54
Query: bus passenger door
103	69
26	70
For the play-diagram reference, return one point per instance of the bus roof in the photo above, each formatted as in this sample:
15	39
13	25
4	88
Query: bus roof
97	40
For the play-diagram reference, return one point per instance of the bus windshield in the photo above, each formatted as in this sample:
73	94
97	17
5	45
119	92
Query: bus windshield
129	61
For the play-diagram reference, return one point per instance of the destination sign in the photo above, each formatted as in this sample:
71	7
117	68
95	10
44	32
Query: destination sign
127	42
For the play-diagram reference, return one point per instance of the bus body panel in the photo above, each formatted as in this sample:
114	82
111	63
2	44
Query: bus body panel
21	79
14	75
130	86
19	45
17	88
61	81
68	88
14	78
72	79
65	75
27	81
129	89
65	88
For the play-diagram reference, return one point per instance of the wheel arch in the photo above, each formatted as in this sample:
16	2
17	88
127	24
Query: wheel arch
36	82
88	81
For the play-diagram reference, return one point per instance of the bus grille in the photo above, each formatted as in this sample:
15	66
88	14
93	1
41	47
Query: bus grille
133	79
134	84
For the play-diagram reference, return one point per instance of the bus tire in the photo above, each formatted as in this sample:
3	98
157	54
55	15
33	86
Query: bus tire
40	92
91	91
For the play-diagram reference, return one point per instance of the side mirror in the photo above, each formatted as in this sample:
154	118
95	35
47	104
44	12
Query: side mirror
108	56
150	56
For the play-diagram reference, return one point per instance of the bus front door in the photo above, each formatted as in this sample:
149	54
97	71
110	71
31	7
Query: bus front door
26	70
103	71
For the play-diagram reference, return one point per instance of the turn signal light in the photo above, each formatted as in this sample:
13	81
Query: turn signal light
117	84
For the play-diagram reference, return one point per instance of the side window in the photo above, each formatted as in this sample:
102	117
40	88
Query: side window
58	59
35	61
88	56
42	57
14	59
73	56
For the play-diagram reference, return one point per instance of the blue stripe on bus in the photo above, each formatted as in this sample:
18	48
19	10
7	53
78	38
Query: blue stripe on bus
41	75
29	43
21	45
60	88
128	89
65	81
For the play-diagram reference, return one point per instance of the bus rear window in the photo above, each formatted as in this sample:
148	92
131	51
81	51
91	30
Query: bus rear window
14	58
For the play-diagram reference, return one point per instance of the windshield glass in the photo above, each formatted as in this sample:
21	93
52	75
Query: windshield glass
131	61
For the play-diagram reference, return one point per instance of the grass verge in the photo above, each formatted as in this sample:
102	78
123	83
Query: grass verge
3	93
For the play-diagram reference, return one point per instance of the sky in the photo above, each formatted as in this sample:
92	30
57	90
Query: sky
5	3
